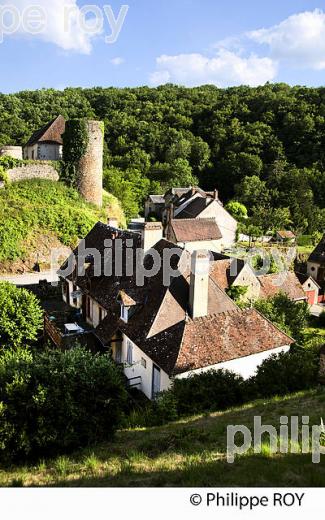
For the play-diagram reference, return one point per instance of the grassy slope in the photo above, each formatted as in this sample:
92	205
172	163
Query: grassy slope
40	208
191	452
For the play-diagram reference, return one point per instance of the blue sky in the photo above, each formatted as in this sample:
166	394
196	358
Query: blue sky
190	42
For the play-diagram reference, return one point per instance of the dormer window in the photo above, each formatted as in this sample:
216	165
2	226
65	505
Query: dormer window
124	313
127	303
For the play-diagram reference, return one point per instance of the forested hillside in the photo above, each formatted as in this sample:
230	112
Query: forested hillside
262	146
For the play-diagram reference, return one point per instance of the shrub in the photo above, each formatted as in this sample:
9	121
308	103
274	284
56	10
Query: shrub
53	402
285	373
207	392
164	409
285	313
322	319
21	316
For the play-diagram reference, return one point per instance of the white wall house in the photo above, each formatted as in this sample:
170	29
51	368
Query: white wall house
141	371
226	223
43	152
244	366
148	377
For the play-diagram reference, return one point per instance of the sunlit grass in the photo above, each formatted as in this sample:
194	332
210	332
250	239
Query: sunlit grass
189	452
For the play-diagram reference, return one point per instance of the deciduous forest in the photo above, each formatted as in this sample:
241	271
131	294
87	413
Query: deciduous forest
263	147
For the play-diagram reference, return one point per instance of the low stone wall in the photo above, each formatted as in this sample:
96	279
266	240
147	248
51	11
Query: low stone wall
43	170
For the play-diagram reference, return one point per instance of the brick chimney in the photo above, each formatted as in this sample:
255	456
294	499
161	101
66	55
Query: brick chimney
199	284
151	233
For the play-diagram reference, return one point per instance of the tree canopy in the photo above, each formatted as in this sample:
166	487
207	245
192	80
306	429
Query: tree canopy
268	140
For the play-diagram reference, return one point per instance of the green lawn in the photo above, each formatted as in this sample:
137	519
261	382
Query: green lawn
191	452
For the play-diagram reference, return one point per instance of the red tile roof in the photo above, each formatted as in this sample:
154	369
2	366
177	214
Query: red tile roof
223	337
51	132
288	283
160	325
195	230
286	234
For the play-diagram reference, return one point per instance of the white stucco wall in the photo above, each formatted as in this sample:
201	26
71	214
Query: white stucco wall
137	369
312	269
43	152
226	223
246	278
244	366
28	152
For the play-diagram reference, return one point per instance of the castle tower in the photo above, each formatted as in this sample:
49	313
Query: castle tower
90	166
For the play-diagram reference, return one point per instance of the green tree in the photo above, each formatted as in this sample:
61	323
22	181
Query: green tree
291	317
237	210
53	401
21	316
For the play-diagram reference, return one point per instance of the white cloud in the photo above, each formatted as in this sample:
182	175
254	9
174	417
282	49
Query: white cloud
61	29
117	61
224	69
299	40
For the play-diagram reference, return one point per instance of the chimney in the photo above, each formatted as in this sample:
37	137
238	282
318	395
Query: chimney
151	232
112	222
199	284
216	195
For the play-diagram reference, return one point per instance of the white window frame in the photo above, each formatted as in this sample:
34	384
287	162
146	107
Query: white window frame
124	313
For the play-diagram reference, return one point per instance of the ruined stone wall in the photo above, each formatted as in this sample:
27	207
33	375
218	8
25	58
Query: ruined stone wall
16	152
90	167
42	170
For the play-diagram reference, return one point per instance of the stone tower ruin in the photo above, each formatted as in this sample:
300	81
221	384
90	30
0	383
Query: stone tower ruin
90	166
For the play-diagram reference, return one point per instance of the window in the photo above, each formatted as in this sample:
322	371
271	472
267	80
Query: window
75	300
313	268
88	308
143	362
118	353
124	313
129	357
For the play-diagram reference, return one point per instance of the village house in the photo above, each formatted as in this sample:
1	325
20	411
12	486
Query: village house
195	234
46	143
231	272
310	286
193	204
157	331
316	268
285	237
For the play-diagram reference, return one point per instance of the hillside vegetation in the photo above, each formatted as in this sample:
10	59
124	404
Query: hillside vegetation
190	452
263	146
38	215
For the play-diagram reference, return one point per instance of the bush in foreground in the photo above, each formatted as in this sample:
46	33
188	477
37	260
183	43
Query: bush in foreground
56	401
21	316
285	373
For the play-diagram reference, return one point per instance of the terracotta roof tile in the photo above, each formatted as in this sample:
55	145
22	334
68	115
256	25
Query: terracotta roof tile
51	132
194	230
285	234
288	283
223	337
